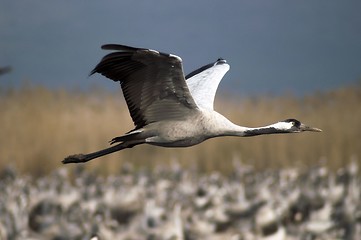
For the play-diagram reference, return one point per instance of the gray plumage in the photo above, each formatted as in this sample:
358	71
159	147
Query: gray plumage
168	110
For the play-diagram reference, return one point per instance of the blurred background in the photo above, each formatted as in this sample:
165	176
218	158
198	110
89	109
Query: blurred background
299	60
288	60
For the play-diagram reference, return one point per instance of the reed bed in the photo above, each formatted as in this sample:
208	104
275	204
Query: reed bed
39	127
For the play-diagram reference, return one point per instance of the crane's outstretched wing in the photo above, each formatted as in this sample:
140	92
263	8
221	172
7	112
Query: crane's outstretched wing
203	82
153	83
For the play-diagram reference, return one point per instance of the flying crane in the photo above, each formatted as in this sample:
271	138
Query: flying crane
169	109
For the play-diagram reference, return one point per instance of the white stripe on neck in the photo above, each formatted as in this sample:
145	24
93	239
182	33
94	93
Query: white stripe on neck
282	125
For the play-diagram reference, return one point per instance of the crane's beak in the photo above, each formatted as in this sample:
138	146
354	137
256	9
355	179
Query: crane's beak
304	127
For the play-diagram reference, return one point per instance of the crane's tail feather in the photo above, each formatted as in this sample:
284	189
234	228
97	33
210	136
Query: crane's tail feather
134	135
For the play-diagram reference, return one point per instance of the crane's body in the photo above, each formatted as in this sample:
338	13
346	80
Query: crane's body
204	124
168	108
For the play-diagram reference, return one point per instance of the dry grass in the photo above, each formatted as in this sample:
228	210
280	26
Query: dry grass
39	127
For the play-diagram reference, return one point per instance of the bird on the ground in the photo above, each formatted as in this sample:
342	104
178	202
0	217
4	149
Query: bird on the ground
169	109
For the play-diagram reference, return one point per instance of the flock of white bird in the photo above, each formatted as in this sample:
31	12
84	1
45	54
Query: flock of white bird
173	203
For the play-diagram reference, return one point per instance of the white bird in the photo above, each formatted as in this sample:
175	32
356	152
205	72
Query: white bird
167	109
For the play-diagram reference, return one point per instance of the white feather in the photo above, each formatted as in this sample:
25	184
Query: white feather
203	86
282	125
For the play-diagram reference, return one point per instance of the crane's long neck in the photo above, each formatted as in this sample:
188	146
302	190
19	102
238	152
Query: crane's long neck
219	125
263	130
275	128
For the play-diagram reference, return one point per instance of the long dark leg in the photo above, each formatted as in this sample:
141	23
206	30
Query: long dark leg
82	158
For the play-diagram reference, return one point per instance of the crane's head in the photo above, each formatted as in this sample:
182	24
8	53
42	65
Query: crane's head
294	126
286	126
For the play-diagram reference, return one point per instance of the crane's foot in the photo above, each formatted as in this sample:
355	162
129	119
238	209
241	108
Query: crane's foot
76	158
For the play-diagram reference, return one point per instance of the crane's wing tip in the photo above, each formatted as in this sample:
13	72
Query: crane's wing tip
92	72
118	47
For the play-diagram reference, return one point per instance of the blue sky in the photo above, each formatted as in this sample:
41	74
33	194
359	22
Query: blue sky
273	47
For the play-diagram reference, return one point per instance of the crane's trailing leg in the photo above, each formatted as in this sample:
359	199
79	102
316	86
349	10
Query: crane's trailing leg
82	158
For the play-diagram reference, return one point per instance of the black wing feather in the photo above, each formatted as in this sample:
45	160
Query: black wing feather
153	83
